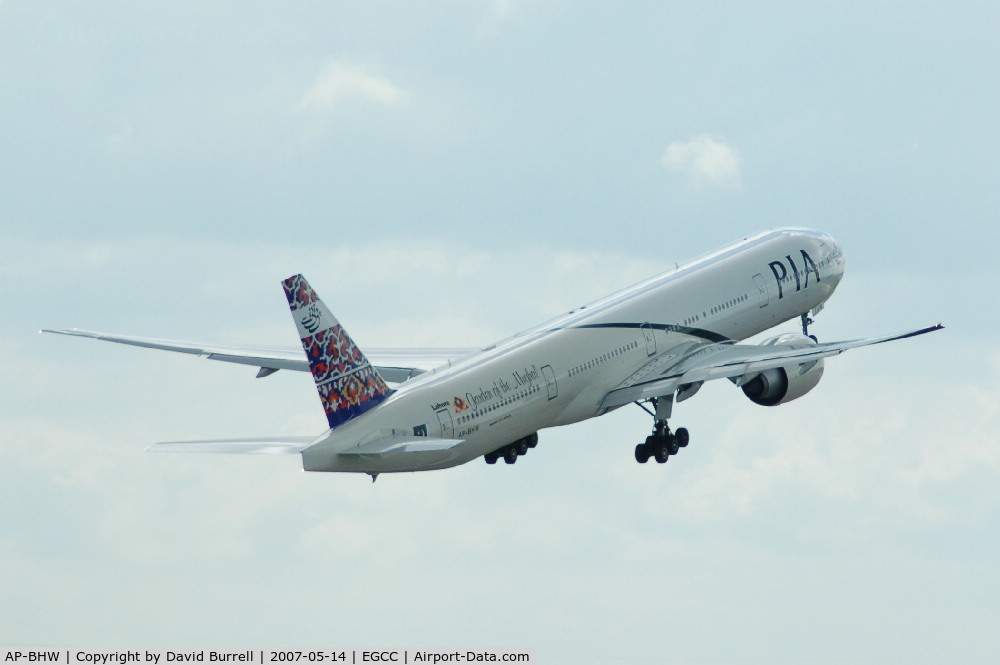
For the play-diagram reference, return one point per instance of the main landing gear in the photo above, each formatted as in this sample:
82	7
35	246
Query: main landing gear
661	444
512	451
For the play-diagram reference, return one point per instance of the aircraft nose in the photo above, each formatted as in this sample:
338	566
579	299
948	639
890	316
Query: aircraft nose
838	253
836	260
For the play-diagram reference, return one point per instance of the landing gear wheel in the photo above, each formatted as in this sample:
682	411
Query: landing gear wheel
662	452
521	446
642	453
682	437
509	454
673	445
533	440
491	458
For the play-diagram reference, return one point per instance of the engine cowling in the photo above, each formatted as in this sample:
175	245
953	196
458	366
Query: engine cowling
783	384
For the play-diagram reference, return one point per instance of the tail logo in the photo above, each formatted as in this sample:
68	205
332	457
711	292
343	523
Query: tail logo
312	318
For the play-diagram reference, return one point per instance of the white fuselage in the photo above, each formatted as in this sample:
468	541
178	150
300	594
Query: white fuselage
559	373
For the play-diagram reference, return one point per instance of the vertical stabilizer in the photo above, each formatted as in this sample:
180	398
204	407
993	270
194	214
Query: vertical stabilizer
347	383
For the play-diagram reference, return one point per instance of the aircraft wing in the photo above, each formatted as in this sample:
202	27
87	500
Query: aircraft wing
394	365
697	363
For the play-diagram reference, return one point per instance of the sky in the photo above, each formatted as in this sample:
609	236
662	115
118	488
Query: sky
446	174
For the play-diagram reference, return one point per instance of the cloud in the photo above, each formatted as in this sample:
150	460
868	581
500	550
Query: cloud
499	12
344	82
124	133
706	160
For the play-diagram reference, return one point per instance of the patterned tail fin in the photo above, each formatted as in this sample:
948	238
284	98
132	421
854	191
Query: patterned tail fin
347	383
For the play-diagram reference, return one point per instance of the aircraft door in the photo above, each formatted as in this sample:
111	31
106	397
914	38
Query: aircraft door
550	381
761	289
647	333
447	424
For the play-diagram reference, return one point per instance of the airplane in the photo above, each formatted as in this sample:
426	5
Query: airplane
654	344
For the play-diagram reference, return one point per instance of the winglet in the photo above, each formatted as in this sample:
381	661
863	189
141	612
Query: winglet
348	385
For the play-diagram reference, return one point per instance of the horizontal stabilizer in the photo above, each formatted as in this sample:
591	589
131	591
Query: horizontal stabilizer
390	454
267	445
402	446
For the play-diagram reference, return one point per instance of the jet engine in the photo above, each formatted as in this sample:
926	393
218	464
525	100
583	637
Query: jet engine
783	384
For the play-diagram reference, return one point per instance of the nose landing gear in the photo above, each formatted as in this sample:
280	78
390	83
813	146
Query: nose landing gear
806	321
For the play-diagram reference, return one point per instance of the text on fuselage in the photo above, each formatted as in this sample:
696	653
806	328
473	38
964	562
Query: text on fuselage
780	272
501	387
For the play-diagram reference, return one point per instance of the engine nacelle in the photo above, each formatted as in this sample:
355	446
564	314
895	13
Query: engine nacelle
783	384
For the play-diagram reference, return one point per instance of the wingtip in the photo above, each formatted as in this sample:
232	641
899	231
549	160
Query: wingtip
62	331
922	331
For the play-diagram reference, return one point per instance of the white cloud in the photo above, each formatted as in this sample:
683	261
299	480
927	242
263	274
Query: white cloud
498	13
122	135
344	82
706	160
